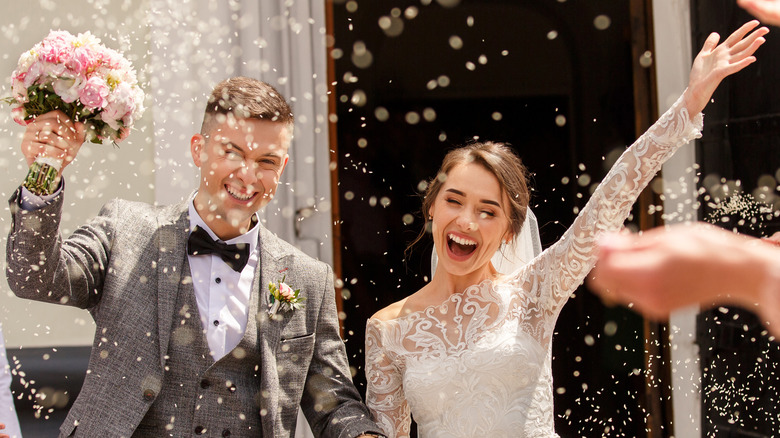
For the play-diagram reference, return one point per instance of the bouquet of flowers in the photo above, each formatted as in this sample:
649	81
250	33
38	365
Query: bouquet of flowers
84	79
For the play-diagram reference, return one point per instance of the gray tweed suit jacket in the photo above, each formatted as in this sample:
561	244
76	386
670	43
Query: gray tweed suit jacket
125	267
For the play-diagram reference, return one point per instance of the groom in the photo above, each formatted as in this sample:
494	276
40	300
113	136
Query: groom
185	341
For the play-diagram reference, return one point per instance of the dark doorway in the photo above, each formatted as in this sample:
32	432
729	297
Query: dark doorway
554	79
740	169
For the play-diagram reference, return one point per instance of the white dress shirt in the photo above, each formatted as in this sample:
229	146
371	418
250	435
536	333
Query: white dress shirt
222	294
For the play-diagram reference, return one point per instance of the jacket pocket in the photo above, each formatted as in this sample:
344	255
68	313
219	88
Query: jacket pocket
293	357
295	339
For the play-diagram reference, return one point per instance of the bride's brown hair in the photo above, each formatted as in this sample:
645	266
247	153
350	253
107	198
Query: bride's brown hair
498	159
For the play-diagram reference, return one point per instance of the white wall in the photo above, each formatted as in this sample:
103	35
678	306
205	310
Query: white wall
673	57
99	173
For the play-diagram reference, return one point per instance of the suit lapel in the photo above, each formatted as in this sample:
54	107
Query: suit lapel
172	255
269	271
269	328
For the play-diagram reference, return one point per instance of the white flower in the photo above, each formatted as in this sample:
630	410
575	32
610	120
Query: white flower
26	60
68	88
86	39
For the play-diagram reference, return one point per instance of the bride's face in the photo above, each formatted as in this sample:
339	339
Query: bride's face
470	220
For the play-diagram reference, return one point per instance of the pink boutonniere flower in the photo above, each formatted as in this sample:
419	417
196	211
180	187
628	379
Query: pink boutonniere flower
284	298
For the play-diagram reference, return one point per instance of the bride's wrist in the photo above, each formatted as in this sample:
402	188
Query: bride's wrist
691	104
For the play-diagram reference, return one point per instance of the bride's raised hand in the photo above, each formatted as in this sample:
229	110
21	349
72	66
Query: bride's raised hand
716	61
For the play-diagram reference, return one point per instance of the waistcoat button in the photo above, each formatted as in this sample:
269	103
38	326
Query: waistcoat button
148	395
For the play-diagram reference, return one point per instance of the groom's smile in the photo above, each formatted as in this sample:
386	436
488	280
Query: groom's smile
239	194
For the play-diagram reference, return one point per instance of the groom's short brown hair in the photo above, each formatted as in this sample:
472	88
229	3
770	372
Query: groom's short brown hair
246	98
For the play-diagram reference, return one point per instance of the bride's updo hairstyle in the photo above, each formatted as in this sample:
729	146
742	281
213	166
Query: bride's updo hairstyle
498	159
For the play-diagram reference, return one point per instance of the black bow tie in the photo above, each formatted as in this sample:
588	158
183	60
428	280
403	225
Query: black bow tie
234	255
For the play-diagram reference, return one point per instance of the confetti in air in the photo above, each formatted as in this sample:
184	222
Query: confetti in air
740	210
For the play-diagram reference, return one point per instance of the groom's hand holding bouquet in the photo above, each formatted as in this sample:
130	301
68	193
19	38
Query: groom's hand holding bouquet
51	142
68	89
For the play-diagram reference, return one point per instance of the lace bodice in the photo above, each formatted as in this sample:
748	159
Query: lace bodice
479	364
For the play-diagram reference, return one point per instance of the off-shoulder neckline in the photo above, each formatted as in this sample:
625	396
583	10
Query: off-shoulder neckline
433	307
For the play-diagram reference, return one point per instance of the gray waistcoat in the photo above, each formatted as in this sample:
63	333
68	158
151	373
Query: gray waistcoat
198	396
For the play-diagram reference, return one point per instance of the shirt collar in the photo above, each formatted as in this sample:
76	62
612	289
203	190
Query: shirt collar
250	237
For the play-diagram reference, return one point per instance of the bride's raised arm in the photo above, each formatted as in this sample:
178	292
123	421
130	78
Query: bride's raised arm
561	269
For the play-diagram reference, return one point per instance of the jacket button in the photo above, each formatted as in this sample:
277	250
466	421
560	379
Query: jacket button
232	388
205	383
226	433
200	430
149	395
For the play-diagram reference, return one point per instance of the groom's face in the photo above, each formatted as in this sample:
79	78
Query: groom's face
241	162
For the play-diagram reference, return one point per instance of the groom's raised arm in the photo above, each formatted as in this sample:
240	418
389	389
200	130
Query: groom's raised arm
38	265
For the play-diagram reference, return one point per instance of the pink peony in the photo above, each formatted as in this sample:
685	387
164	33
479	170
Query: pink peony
120	103
19	115
113	60
93	94
57	47
82	61
113	113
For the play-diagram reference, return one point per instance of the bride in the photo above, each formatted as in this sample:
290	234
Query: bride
469	354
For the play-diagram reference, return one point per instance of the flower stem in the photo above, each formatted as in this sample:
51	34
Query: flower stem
42	177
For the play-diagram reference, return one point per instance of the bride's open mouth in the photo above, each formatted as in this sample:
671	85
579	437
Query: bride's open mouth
460	246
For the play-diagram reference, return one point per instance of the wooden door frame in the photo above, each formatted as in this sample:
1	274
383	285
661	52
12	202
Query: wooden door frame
333	142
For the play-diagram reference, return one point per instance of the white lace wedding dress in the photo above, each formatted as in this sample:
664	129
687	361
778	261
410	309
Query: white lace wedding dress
479	364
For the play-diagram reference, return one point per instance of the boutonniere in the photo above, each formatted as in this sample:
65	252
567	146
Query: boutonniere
284	297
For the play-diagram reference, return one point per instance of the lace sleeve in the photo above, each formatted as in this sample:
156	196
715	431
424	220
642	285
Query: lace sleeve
553	276
385	394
